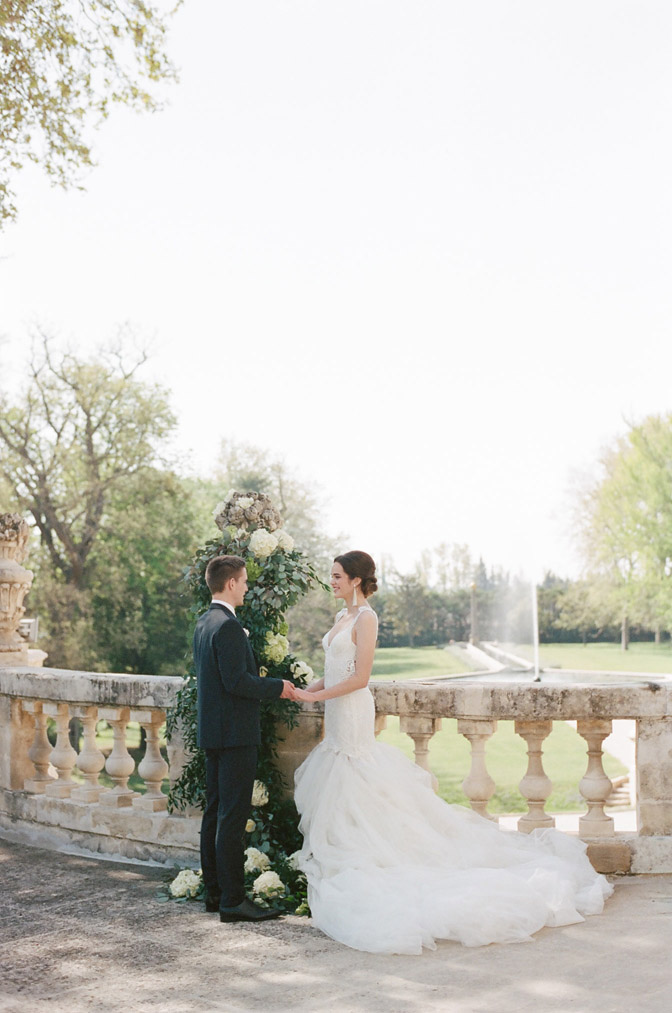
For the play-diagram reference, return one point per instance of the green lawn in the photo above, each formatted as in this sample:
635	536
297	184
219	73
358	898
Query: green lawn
644	657
414	663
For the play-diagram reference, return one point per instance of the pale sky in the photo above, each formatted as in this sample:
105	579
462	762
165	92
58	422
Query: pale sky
421	249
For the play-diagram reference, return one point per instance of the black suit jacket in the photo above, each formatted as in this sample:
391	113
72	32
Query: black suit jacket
229	686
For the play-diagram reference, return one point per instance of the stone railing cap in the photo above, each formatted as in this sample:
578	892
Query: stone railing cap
102	688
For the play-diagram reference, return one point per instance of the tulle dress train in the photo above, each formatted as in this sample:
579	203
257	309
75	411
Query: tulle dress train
391	867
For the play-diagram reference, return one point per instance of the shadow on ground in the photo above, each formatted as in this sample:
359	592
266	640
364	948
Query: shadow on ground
81	934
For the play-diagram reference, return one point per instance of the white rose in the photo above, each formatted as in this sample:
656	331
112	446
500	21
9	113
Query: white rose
250	826
277	647
300	668
244	502
285	541
259	794
186	884
293	860
229	496
256	861
262	543
218	509
268	885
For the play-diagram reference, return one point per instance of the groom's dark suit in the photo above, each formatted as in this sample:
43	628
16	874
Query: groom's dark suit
229	692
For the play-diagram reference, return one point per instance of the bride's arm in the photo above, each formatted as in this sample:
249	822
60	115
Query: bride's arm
314	687
367	630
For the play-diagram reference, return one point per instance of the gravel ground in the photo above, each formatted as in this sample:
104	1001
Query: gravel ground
80	934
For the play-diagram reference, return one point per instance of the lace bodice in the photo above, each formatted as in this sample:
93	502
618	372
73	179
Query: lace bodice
348	720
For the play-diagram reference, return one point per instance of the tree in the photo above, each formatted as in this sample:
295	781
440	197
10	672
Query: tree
248	468
408	609
63	64
82	430
132	614
81	452
626	521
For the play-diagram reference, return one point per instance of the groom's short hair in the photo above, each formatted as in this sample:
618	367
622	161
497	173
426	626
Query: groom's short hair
220	569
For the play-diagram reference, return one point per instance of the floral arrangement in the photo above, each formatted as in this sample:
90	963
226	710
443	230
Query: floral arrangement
13	528
187	884
261	880
278	575
246	510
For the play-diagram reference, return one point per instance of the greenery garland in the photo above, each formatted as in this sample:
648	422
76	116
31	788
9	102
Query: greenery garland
278	576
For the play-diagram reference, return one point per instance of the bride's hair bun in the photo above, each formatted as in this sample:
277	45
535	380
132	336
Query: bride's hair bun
360	564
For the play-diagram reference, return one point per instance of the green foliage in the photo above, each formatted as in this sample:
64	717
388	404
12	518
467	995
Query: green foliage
82	428
62	66
626	523
276	582
81	453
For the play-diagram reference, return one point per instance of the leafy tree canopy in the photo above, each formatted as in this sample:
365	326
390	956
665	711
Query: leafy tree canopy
81	429
63	64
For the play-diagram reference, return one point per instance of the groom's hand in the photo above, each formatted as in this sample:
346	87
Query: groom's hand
287	690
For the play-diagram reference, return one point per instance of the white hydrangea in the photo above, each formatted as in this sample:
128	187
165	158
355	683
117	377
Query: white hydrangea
263	543
259	794
256	861
285	541
268	885
244	502
186	884
293	860
277	647
300	668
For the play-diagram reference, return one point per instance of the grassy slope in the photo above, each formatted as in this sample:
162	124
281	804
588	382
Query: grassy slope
645	657
413	663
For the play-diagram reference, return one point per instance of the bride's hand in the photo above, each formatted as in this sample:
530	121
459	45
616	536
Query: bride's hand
303	694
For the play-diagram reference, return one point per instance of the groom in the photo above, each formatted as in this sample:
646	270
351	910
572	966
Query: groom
229	692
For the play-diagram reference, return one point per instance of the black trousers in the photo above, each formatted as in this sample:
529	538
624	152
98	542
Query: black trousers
229	775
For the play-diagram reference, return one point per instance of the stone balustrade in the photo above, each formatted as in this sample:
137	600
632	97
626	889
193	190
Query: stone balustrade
41	801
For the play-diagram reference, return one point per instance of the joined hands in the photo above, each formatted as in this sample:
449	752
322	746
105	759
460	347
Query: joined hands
292	692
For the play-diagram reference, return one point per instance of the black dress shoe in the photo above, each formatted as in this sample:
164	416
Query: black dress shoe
211	903
248	911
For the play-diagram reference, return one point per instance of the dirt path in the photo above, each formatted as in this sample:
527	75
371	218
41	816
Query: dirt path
79	934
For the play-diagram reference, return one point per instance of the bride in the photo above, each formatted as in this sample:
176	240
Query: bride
390	866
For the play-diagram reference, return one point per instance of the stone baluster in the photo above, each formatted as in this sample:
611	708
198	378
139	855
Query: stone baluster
90	760
40	751
380	724
119	764
535	785
595	786
421	728
152	768
62	756
478	786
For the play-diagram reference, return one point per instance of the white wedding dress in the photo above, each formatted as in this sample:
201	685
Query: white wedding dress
391	867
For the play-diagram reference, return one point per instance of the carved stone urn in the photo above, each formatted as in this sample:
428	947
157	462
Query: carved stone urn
15	581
